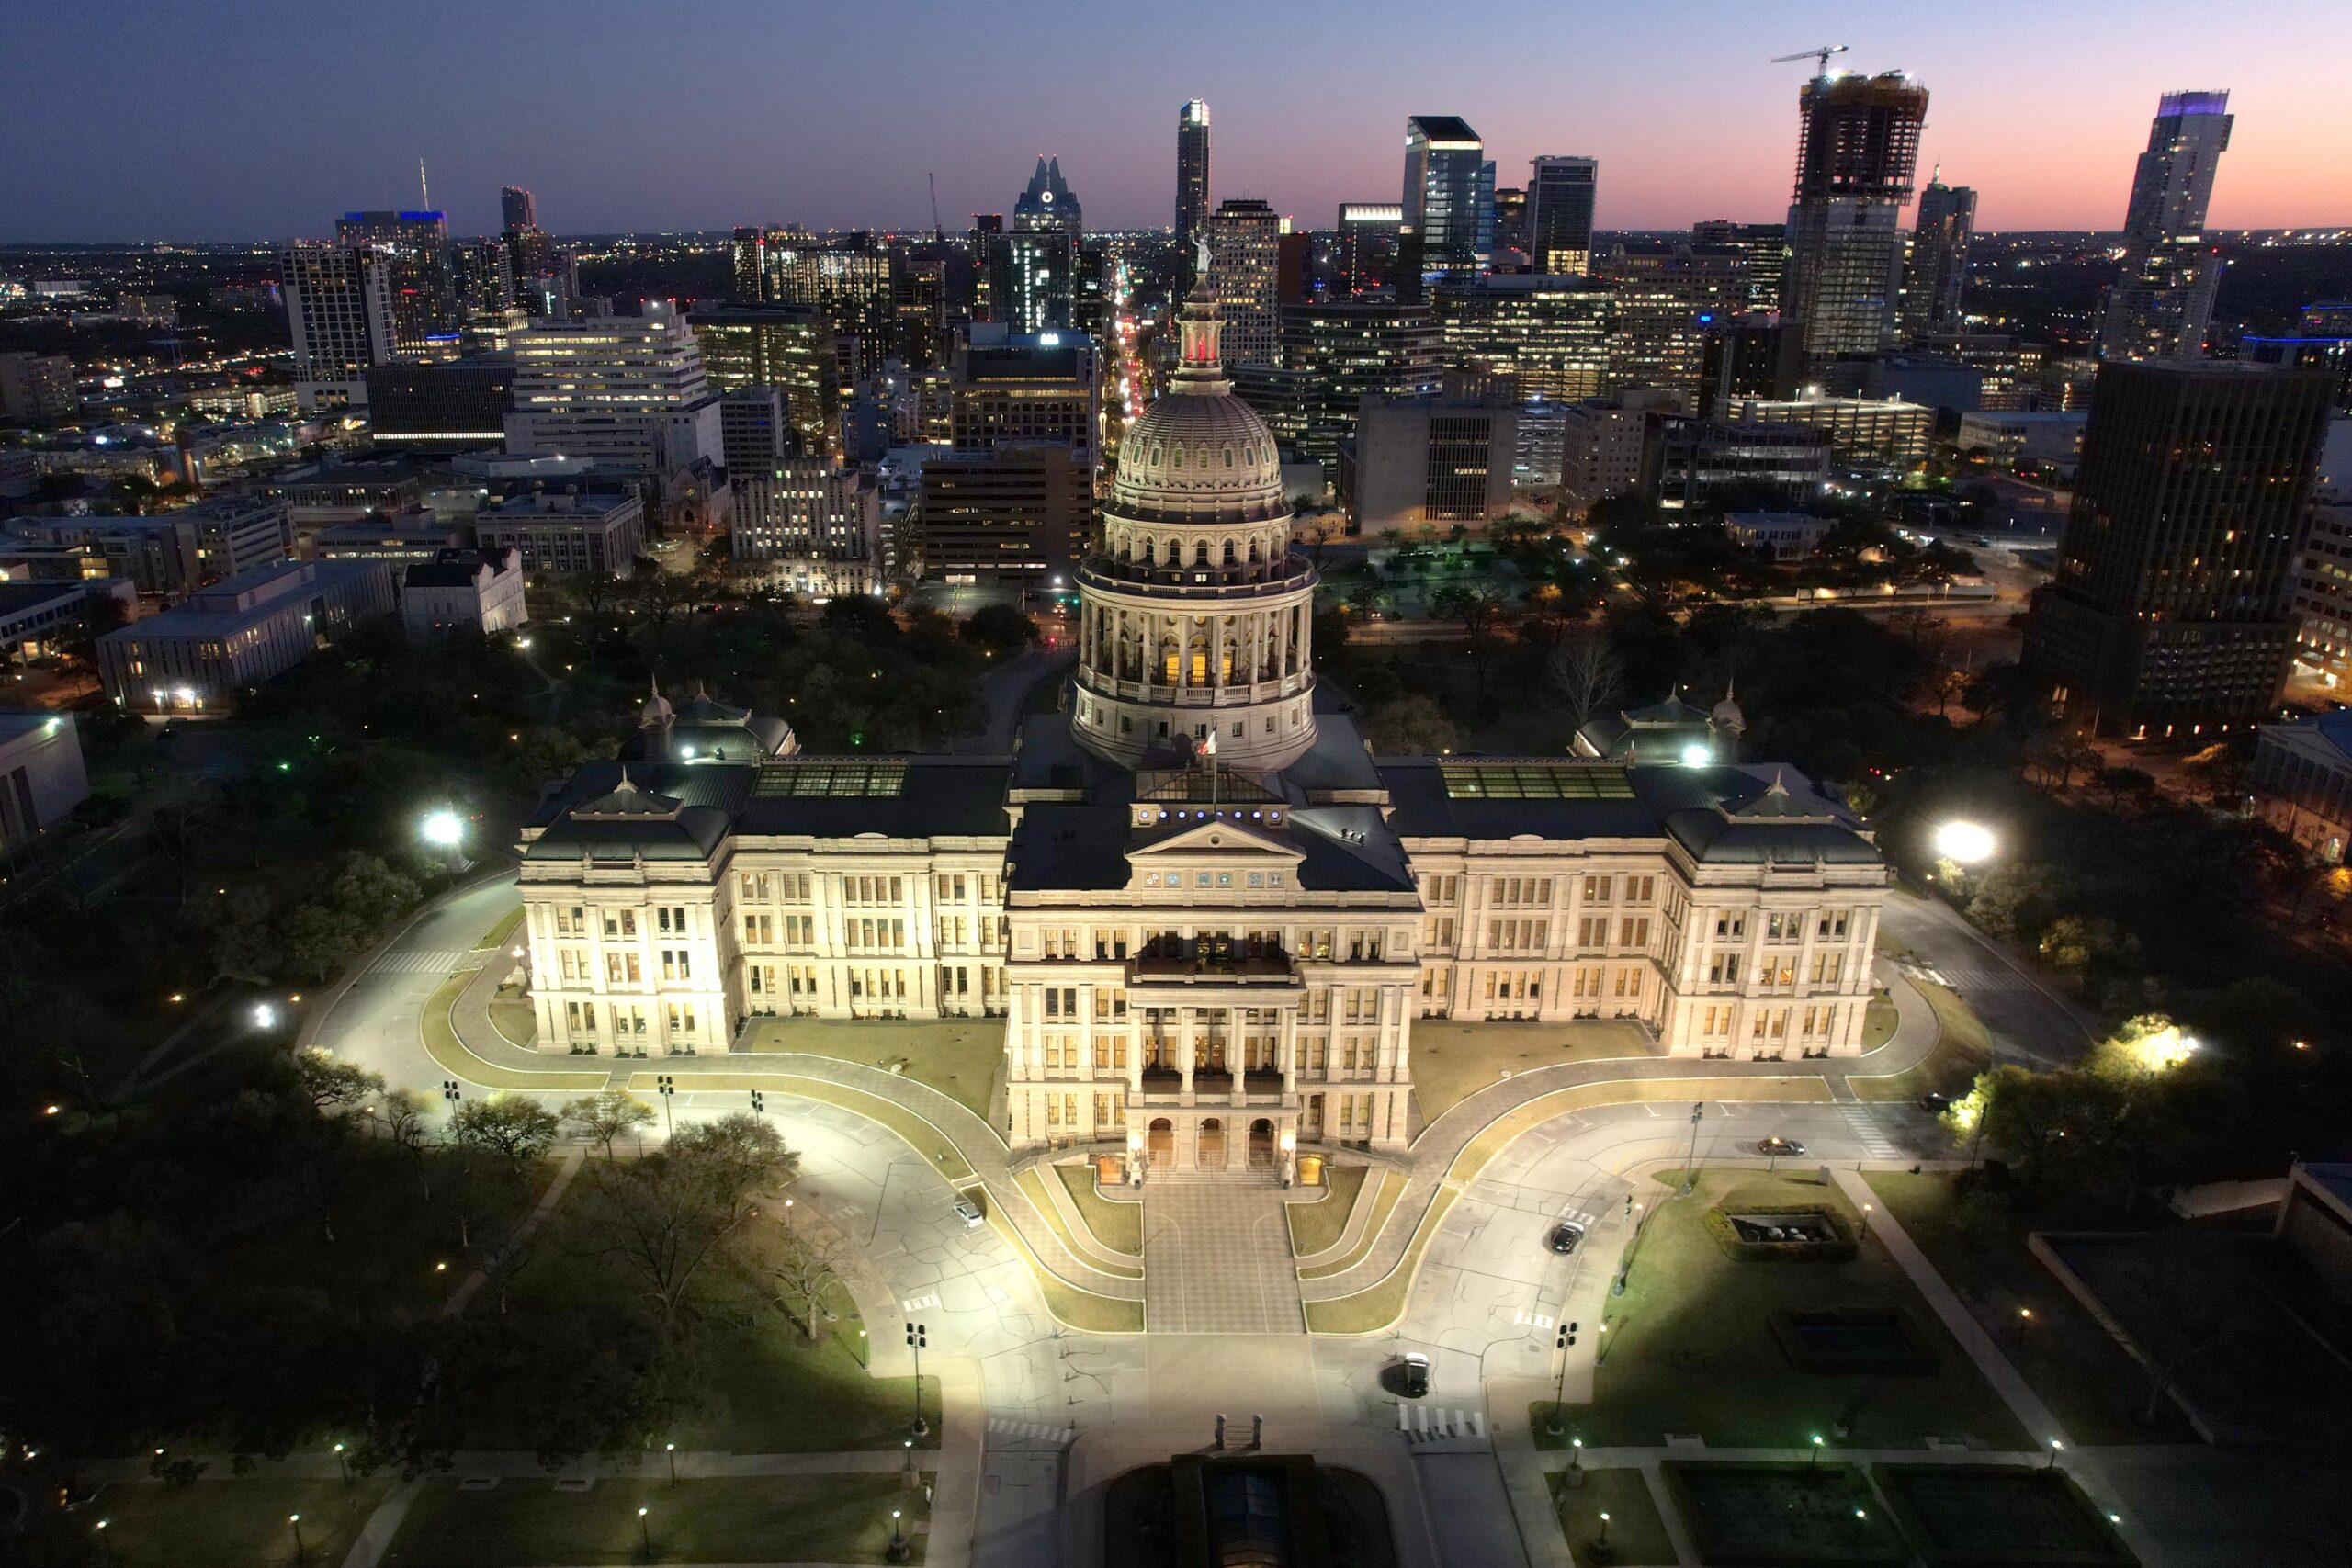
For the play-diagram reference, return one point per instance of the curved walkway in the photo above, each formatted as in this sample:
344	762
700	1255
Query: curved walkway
965	1148
1451	1149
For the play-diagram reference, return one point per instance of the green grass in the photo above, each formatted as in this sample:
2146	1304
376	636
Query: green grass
1069	1304
516	1019
1118	1226
1690	1347
766	1518
1963	1051
1041	1198
1453	1059
1636	1534
2092	1387
1783	1516
449	1053
961	1057
231	1522
497	934
1317	1226
1369	1311
1880	1021
1384	1203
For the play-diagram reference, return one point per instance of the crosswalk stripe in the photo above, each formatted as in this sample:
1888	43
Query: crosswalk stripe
1865	1126
916	1304
414	962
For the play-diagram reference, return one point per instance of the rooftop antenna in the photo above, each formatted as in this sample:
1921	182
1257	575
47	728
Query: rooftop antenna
1821	54
424	191
938	230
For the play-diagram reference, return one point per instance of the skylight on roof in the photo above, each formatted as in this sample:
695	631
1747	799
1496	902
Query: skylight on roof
1535	781
831	781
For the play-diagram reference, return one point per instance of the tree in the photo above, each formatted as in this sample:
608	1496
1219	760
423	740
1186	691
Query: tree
603	1117
508	1126
333	1085
2076	945
239	942
801	1265
371	892
2120	781
1587	677
321	939
1480	611
999	628
1410	726
663	1217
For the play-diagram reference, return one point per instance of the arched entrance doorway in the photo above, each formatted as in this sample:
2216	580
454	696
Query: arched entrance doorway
1212	1144
1159	1143
1261	1145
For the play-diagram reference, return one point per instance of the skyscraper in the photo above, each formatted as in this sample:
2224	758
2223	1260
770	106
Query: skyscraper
2168	610
1939	264
339	303
1036	261
1191	174
2161	300
1766	246
516	208
415	250
1449	202
1856	155
629	392
1368	233
1245	239
1559	214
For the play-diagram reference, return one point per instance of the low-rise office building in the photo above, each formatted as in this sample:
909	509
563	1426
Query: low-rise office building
1016	513
38	618
1439	461
41	776
1693	463
201	656
469	590
1784	535
565	533
1879	430
2051	439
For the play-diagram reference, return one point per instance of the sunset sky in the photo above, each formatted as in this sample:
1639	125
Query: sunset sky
252	119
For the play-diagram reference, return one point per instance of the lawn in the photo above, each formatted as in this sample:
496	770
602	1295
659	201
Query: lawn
1041	1198
1453	1059
1383	1203
2094	1388
1879	1022
763	1388
1118	1226
961	1057
1963	1051
763	1519
1690	1346
1783	1516
1636	1534
515	1019
2000	1515
1370	1310
232	1523
1317	1226
1067	1303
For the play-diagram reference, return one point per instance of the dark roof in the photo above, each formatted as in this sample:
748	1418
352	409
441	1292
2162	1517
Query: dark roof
1445	128
444	573
1719	813
940	797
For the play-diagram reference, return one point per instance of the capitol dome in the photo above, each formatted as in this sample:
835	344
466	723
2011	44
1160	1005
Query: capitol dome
1195	620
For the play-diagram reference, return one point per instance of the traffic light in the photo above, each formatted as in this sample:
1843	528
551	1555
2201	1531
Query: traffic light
759	1101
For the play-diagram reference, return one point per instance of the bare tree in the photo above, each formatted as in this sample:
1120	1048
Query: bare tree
605	1116
1587	677
666	1216
802	1266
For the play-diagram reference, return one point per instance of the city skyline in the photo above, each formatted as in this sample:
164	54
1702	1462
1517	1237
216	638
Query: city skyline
1313	116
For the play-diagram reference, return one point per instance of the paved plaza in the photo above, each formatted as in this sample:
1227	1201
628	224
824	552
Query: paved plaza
1217	1259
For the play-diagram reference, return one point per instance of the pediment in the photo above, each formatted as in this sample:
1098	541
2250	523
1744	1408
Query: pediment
1220	839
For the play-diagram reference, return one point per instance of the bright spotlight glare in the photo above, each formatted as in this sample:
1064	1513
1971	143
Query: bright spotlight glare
1965	843
264	1016
1696	756
443	829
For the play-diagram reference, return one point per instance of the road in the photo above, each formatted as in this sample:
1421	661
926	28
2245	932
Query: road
2029	1022
1062	1411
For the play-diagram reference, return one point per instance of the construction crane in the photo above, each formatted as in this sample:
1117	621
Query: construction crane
1821	54
938	232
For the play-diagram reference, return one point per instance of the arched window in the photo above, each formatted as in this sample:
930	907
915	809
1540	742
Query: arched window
1228	456
1200	552
1231	558
1155	454
1179	461
1250	455
1204	455
1253	552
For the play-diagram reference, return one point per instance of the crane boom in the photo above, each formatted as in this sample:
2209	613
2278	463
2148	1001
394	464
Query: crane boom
1821	54
938	231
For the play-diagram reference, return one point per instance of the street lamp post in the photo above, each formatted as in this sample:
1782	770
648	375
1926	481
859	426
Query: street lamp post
916	1339
672	1451
2054	1446
1814	1462
645	1535
899	1550
1604	1530
342	1464
295	1520
1698	1113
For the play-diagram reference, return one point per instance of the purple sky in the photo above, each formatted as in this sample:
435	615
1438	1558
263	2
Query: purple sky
257	118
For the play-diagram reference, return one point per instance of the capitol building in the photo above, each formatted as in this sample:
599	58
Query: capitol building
1207	915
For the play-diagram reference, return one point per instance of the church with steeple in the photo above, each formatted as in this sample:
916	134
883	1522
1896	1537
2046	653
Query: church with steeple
1209	918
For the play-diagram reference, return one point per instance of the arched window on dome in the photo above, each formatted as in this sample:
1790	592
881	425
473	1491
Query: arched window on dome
1232	554
1200	552
1204	455
1177	458
1250	455
1228	456
1155	454
1254	557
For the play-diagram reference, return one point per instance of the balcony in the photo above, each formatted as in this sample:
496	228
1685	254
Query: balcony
1217	958
1193	582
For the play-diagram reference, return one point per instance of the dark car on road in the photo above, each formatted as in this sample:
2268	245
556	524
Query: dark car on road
1413	1375
1786	1149
1564	1237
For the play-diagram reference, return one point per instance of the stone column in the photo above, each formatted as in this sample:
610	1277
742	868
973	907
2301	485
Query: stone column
1241	1067
1184	1048
1287	1056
